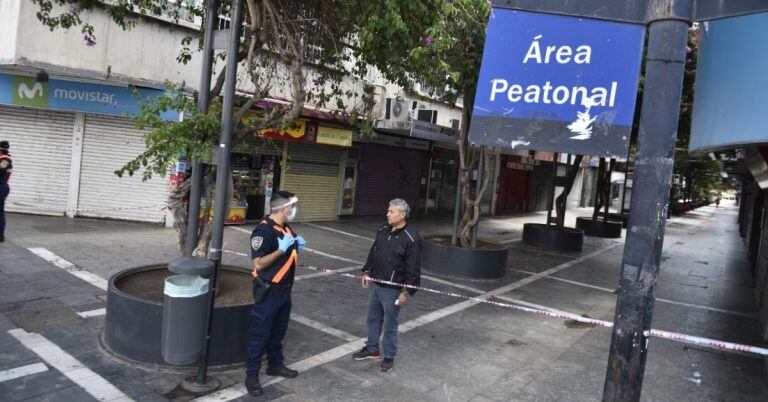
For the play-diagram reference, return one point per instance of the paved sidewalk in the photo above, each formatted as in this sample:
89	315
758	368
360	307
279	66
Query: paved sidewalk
449	349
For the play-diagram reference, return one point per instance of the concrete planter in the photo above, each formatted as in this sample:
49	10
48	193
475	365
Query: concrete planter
599	228
488	261
553	238
623	218
132	330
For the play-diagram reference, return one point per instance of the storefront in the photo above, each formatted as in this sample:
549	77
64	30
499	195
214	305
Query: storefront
443	178
514	184
68	138
390	167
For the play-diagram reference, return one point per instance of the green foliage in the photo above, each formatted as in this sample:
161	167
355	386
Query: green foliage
166	140
452	49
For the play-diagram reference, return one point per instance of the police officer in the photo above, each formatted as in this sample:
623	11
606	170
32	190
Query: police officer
6	168
274	249
395	256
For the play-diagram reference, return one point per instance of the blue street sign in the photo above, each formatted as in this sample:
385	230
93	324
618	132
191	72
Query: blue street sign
556	83
75	96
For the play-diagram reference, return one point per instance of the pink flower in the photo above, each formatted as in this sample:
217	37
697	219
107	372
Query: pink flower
688	49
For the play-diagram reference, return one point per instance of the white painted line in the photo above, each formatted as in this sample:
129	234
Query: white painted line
336	257
658	299
337	231
93	313
324	328
311	250
309	363
505	298
317	274
586	285
54	259
553	270
23	371
57	358
452	284
47	255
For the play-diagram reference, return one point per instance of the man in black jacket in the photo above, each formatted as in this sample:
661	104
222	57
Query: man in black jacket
395	257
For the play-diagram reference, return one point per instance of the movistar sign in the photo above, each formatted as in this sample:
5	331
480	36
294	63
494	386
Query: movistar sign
75	96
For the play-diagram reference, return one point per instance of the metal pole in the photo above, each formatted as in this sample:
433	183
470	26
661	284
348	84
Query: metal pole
551	198
650	197
203	101
222	172
478	184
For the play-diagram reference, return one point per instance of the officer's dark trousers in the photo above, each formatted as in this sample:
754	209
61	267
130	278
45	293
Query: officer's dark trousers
4	190
269	322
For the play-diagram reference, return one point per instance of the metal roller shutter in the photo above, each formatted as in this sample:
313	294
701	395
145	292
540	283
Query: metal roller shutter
313	174
108	143
386	173
41	146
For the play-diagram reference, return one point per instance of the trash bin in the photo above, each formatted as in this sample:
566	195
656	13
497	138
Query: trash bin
185	310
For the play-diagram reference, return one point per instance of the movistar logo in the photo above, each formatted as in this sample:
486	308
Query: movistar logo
27	91
30	93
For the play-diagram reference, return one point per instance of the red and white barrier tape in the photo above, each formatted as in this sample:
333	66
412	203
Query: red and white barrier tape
672	336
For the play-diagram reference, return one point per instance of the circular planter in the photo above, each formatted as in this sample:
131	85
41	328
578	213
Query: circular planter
552	237
487	261
133	325
599	228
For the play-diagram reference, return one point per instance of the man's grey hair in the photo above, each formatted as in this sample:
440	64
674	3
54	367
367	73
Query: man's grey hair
402	205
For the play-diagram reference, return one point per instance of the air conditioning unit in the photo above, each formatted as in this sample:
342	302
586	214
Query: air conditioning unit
397	109
429	115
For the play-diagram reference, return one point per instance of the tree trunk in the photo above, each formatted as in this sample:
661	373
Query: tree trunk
562	200
599	191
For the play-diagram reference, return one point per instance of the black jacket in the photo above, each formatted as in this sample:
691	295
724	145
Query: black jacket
395	256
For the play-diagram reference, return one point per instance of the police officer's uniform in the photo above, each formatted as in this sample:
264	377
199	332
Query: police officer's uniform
6	167
269	318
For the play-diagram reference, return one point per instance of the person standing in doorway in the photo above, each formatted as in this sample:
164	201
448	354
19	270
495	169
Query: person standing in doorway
6	168
274	250
395	257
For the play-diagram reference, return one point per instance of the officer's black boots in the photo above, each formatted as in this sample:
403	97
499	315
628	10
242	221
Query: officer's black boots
253	386
282	371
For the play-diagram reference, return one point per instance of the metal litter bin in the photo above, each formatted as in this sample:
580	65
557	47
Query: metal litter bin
185	311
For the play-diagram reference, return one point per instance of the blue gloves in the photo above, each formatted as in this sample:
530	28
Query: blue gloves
285	242
301	242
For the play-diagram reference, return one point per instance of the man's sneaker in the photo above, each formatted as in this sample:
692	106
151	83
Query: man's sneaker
253	386
387	365
282	371
365	354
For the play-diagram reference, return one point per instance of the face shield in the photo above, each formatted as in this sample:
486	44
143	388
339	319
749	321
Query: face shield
294	201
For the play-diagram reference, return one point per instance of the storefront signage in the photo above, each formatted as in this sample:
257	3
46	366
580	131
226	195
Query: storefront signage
519	166
296	131
434	132
557	83
76	96
397	142
334	136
